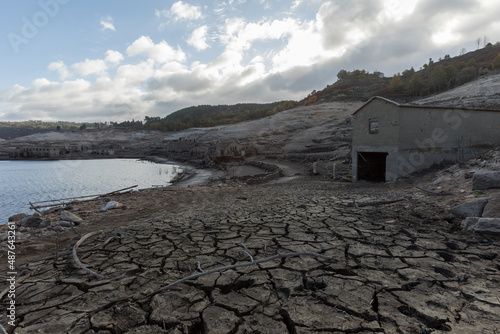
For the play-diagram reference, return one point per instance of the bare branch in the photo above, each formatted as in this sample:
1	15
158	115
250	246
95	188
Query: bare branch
240	265
246	250
77	261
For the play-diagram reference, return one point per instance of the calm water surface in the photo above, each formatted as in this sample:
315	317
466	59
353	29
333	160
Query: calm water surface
33	181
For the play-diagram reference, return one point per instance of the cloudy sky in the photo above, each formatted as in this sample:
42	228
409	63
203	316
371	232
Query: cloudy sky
115	60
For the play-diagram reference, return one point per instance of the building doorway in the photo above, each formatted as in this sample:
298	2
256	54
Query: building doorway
372	166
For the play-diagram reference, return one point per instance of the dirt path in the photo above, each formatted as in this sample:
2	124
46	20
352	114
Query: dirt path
399	264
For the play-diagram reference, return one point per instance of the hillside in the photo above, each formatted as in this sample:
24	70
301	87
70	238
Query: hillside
9	130
482	93
206	116
432	78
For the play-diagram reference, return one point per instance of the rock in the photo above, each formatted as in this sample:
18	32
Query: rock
57	228
483	225
70	217
492	209
486	180
44	224
111	205
469	175
470	209
17	217
64	223
31	221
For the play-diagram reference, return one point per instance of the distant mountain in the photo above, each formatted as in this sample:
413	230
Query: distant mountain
10	130
432	78
209	115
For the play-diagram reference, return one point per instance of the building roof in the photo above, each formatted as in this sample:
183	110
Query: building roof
417	105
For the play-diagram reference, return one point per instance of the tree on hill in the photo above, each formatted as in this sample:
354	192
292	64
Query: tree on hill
437	79
416	85
396	85
496	62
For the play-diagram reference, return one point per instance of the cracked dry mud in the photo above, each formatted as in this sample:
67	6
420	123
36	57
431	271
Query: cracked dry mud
399	264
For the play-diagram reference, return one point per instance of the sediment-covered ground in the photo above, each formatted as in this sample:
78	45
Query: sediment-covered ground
398	262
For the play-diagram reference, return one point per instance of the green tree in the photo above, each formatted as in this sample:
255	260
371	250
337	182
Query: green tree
466	74
496	62
407	74
396	85
342	74
416	85
437	79
451	75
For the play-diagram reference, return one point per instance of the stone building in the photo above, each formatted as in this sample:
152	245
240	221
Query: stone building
234	149
391	140
38	152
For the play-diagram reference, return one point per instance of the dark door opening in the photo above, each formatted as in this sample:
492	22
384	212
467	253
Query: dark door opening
371	166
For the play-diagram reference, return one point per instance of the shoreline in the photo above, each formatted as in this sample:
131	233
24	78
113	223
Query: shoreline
188	177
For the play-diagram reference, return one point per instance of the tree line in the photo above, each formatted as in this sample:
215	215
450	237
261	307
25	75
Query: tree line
445	74
210	116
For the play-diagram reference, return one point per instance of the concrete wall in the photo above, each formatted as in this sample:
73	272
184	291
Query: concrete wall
416	138
387	138
432	136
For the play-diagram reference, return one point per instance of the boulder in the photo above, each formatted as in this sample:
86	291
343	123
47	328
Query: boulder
492	209
45	223
70	217
64	223
57	228
486	180
482	225
470	209
31	221
17	217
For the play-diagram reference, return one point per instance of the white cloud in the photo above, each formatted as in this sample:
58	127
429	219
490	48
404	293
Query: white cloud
240	35
107	23
446	34
198	38
135	74
114	57
89	67
252	60
161	52
296	4
61	68
183	11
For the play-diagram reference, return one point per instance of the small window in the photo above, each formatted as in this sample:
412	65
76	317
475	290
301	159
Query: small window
373	126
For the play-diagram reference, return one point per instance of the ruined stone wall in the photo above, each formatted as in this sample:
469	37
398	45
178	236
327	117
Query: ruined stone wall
417	138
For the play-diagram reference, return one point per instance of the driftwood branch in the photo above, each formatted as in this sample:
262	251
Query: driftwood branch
202	272
442	193
77	260
240	265
74	199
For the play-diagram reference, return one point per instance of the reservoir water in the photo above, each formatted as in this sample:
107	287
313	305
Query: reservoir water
33	181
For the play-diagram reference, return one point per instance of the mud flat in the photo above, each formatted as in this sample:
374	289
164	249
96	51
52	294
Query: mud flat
398	263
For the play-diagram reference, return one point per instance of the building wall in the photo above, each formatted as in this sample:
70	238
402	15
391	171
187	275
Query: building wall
415	138
432	136
387	138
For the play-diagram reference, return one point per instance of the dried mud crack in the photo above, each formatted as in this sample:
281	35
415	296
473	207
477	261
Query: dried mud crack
390	269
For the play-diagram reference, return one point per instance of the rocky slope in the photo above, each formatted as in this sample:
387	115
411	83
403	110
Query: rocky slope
483	93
